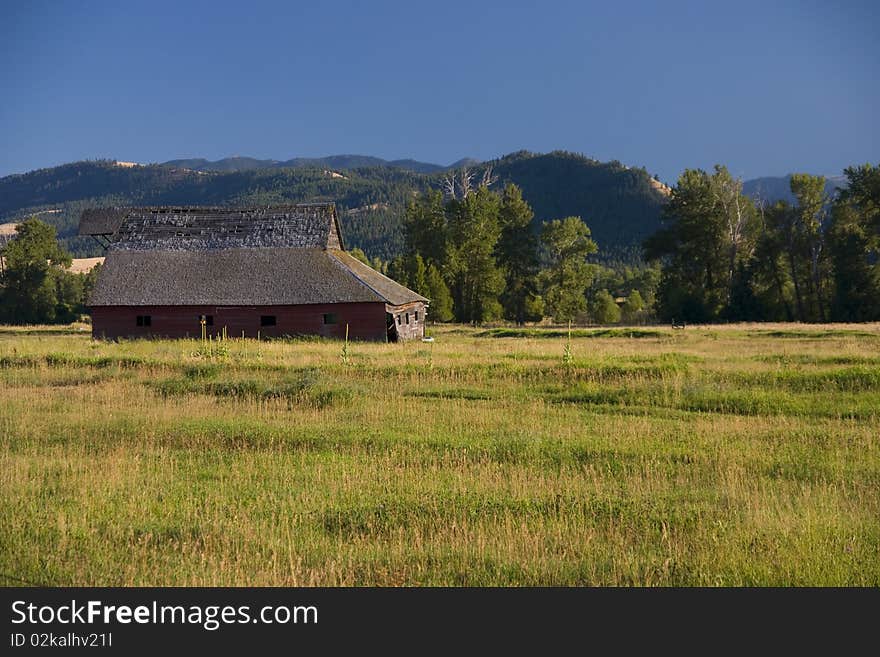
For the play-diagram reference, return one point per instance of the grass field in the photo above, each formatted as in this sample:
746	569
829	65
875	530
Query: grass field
740	455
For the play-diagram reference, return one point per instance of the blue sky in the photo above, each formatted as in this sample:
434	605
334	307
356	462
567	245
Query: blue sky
763	87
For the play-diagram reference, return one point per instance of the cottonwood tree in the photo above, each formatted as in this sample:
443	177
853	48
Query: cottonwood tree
810	216
567	276
476	279
603	308
633	308
32	285
738	217
709	232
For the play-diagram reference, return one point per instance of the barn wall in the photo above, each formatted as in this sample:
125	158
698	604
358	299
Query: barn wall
367	321
406	324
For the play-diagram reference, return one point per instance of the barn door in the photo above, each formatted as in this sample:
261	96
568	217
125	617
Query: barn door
391	328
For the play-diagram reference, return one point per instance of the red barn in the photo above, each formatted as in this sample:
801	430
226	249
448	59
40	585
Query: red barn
279	271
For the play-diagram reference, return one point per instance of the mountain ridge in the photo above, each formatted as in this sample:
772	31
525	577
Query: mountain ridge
343	161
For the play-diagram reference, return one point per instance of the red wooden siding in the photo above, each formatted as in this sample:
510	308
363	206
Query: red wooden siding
366	321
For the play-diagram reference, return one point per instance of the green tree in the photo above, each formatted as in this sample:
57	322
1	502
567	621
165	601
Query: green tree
417	273
854	243
360	255
739	222
398	271
29	287
425	226
769	268
856	283
438	292
473	230
862	192
90	279
809	224
710	229
633	308
567	274
603	308
517	255
534	308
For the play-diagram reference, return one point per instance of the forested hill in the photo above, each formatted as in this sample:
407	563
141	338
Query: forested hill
772	189
621	205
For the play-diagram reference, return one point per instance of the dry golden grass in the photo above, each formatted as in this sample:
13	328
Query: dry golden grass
733	455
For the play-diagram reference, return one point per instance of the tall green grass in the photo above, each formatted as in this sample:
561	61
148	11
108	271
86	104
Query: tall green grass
715	456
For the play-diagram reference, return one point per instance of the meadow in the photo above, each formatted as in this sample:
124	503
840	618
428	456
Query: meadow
712	456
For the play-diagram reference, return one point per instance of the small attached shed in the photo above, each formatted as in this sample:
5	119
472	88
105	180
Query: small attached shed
280	271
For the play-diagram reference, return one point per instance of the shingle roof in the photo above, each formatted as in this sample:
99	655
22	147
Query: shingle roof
222	256
232	277
238	277
393	292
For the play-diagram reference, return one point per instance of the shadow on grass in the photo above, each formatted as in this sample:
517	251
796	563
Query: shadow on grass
575	333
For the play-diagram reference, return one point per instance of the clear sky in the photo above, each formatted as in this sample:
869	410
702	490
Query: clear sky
765	87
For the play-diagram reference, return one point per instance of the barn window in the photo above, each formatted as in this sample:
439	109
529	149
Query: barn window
417	315
144	320
207	319
267	320
407	318
330	318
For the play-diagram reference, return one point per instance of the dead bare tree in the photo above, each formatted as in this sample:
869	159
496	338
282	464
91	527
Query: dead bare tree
489	178
448	185
465	182
458	185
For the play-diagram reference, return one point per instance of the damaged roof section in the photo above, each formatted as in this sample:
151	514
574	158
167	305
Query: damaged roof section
307	225
101	221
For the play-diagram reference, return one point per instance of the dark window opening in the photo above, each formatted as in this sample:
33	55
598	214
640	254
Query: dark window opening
207	319
144	320
417	315
330	318
407	318
267	320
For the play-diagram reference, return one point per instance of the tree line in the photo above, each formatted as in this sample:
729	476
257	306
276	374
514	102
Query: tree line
727	257
475	254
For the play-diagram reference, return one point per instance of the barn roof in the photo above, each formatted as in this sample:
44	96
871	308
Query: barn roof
286	255
234	277
393	292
